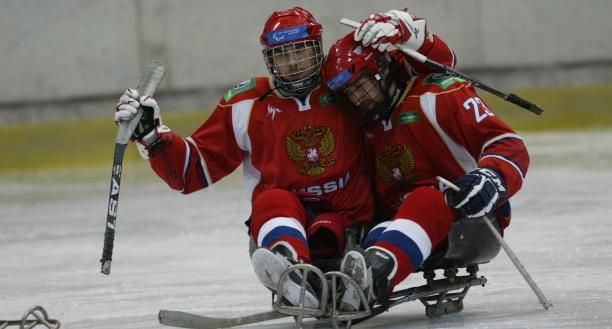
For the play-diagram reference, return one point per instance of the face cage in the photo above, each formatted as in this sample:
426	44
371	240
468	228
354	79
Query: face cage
300	72
370	99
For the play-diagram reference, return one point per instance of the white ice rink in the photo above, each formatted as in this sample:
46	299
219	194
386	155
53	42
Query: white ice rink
190	253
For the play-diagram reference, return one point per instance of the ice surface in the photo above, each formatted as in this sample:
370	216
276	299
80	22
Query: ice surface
190	253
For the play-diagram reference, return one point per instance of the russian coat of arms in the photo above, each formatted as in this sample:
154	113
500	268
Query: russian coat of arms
396	163
311	148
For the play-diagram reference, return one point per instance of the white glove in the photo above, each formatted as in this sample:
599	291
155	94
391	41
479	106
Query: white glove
127	107
149	130
382	31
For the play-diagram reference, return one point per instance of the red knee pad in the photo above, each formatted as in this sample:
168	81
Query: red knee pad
426	206
275	203
326	235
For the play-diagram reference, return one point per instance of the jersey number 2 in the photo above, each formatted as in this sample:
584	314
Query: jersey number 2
481	111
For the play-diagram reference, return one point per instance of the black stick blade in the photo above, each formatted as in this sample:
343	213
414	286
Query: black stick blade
106	266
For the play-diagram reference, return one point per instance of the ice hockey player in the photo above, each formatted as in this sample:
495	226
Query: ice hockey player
417	128
300	152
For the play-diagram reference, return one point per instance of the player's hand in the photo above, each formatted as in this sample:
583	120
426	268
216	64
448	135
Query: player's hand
126	109
480	191
150	125
382	31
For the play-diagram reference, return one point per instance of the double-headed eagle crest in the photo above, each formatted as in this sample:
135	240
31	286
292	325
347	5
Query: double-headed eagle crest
311	148
396	163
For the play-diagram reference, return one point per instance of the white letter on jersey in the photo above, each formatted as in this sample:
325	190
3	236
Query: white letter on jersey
476	103
329	187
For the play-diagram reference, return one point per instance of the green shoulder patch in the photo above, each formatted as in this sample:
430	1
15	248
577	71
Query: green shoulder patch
240	88
326	99
407	118
442	80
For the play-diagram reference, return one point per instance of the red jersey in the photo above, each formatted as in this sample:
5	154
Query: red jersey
309	146
441	127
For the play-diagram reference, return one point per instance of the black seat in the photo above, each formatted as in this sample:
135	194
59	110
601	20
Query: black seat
470	242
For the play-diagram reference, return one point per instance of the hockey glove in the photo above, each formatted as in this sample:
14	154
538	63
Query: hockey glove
150	129
383	30
480	191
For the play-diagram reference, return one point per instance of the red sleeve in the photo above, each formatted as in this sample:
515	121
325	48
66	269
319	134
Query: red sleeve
436	50
216	142
470	123
211	153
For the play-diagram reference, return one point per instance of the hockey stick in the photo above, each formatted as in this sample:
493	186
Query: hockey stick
189	320
517	263
512	98
147	86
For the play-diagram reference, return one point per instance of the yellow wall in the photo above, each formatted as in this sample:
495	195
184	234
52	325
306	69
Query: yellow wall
76	144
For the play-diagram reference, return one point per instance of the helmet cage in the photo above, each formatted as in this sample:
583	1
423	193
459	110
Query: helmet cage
295	69
368	94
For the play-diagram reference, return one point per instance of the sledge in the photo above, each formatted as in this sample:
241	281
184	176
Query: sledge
469	244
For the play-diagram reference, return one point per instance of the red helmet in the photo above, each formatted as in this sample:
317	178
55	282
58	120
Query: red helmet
363	77
292	51
290	25
345	62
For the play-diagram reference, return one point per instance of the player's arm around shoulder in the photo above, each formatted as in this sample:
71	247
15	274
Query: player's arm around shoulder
401	28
